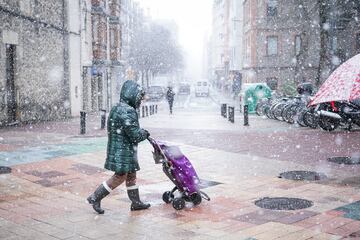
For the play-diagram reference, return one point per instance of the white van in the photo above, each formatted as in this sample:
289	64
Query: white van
202	88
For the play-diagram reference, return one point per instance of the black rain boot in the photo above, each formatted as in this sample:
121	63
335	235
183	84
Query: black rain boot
136	204
95	198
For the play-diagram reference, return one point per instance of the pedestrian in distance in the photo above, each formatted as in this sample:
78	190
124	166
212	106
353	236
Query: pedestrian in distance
124	133
170	98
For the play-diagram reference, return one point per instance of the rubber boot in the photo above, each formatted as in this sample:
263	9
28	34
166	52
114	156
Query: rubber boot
95	198
136	204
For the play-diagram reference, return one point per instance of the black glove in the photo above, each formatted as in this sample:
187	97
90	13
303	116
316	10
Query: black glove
147	134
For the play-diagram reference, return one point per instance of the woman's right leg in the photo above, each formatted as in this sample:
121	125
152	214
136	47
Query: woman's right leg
103	190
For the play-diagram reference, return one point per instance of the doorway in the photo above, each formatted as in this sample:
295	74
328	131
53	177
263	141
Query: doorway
10	82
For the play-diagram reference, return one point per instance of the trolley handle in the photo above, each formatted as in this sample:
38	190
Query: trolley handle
151	140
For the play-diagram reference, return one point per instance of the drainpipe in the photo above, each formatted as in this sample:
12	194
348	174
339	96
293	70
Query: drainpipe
66	82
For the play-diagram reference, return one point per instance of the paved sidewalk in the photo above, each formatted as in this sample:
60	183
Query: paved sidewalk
55	169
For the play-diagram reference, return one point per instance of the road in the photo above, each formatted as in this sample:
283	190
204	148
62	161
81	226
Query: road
54	169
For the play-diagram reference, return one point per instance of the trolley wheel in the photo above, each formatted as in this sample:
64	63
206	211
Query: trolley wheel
167	197
178	203
196	198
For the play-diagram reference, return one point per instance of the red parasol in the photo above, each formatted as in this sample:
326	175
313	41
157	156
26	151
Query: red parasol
342	85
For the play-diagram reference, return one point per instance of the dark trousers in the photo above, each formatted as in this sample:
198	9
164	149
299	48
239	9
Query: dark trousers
171	106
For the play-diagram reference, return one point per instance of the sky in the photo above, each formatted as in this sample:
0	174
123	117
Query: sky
194	21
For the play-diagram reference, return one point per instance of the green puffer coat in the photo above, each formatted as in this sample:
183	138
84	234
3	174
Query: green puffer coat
124	132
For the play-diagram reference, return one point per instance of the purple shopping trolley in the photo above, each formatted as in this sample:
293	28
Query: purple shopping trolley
181	172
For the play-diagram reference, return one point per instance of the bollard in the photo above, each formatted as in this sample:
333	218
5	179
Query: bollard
143	111
147	110
103	118
240	103
5	170
151	109
246	115
223	110
231	114
156	109
82	122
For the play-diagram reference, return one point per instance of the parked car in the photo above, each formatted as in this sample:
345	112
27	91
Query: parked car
184	89
202	88
155	93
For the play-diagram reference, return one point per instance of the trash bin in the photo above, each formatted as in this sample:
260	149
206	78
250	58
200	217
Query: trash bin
253	92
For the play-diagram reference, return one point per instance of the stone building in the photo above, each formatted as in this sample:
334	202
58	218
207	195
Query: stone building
58	58
35	75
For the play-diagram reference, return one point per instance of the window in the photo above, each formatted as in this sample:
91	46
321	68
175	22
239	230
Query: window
298	43
246	11
112	38
272	6
95	29
247	48
358	43
103	4
334	43
272	45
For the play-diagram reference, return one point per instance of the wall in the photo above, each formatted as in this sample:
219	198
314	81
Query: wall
39	80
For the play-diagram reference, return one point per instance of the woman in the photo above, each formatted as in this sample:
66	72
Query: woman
124	133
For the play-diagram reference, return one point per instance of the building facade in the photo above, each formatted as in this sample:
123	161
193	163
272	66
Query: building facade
235	46
284	42
58	58
34	61
112	25
275	33
225	46
105	32
132	20
219	43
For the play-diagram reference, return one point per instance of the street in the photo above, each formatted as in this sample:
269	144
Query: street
201	120
54	169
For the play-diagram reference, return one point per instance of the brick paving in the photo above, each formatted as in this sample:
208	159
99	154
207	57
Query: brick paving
44	196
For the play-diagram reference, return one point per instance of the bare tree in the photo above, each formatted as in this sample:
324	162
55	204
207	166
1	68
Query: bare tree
307	12
324	61
334	14
155	51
